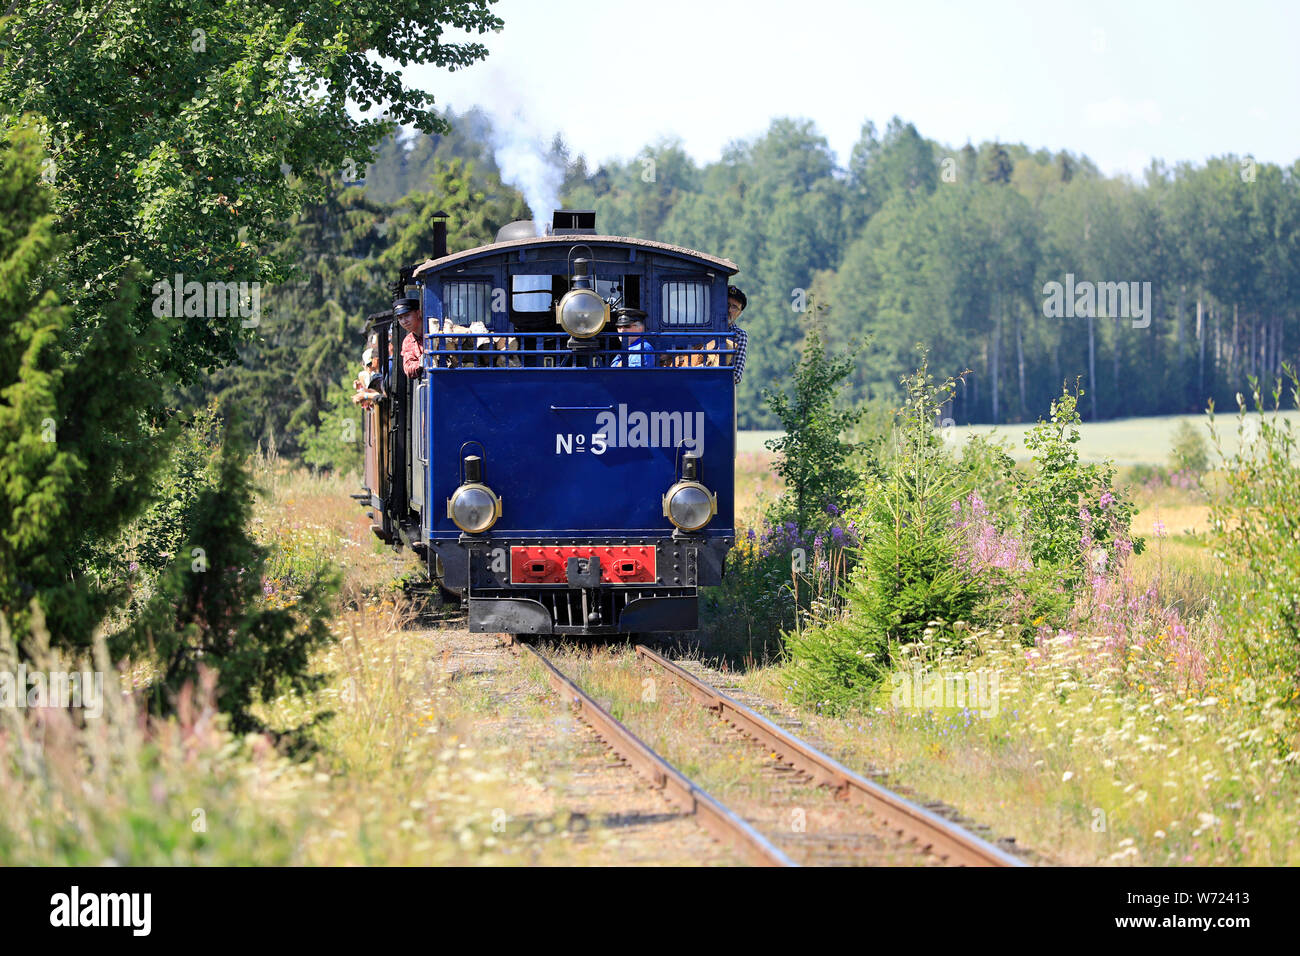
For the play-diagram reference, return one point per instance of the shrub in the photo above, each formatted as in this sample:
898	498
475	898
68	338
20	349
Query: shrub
1254	526
1060	494
1190	451
147	546
988	470
776	579
793	564
1015	591
814	453
907	577
210	608
76	450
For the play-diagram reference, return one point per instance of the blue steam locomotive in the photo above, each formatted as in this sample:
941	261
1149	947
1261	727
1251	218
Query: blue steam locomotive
559	444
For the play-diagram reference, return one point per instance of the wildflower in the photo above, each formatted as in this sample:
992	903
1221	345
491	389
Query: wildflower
1107	499
1158	528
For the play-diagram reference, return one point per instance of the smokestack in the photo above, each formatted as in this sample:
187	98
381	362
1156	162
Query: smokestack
439	234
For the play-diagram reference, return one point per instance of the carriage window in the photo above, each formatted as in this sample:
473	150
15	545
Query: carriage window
465	303
686	303
530	293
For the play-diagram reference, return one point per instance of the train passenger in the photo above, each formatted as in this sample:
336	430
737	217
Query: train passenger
503	343
366	384
407	313
736	303
632	322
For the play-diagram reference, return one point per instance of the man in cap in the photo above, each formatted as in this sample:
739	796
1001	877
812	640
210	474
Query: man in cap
736	303
407	313
631	323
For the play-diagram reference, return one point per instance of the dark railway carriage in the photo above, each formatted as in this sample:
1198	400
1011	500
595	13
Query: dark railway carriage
558	472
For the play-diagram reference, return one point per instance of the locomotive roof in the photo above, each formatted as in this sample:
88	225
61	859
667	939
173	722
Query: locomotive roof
725	265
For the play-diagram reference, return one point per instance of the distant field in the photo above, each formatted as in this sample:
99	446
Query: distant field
1128	441
753	441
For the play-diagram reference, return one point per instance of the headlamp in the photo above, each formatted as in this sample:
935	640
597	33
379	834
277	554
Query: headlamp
689	505
582	313
473	507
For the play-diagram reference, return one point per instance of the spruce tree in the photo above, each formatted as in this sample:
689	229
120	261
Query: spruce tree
76	454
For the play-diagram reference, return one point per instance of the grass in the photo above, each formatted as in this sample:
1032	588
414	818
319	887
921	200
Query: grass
418	763
1146	748
1088	764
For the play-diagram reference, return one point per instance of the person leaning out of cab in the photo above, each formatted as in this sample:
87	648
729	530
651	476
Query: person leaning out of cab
407	314
367	386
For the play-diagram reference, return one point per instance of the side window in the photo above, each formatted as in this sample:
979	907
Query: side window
465	303
685	303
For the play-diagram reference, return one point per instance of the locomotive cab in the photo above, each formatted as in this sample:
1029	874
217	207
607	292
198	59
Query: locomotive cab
564	457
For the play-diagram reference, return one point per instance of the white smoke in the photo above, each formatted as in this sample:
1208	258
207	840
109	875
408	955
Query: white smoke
527	163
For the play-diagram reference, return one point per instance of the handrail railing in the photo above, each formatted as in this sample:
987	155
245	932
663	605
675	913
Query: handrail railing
664	349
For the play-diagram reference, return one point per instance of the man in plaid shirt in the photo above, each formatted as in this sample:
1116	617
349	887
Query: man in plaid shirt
736	303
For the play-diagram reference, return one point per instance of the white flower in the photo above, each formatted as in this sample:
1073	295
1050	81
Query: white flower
1067	775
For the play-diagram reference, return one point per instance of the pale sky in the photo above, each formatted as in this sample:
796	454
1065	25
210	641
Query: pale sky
1122	82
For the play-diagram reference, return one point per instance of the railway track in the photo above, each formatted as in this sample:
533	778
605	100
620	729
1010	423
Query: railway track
677	787
872	824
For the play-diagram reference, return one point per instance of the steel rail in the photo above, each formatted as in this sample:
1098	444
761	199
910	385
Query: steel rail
714	816
943	838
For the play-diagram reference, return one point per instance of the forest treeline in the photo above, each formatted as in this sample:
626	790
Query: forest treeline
1179	287
916	242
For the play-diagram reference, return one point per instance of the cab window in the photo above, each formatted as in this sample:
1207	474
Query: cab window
465	303
685	303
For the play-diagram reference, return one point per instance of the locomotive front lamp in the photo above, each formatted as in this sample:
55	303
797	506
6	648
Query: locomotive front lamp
582	312
688	504
473	507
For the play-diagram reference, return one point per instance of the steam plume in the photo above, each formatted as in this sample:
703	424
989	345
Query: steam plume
530	166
